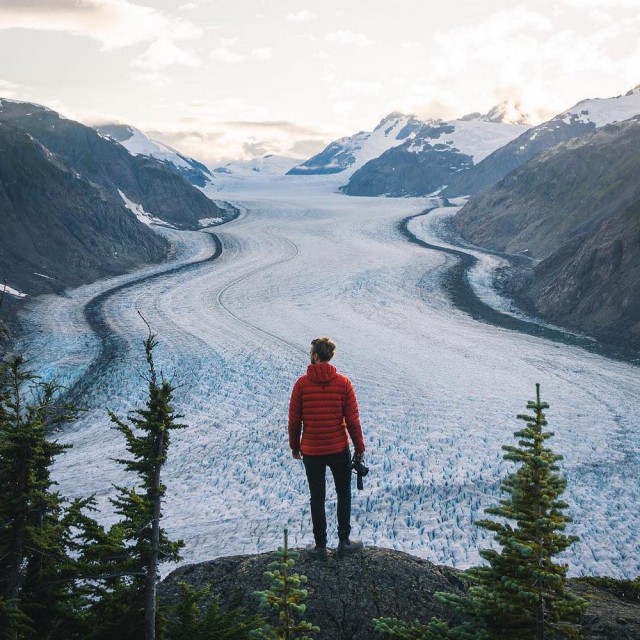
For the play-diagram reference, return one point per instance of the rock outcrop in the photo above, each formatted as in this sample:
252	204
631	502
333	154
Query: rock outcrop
345	594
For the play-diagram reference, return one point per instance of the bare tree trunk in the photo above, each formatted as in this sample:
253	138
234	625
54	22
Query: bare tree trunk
16	573
540	620
15	577
152	568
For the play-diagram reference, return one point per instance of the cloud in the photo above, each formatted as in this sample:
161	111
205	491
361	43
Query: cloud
522	55
164	53
152	78
10	90
348	37
427	101
301	16
344	92
256	149
262	53
220	141
604	4
307	148
113	23
361	87
504	39
222	54
343	109
197	112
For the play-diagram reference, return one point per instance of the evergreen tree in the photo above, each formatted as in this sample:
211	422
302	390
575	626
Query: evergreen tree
286	596
522	592
198	616
132	549
38	589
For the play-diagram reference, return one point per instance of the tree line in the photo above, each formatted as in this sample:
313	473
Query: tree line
65	576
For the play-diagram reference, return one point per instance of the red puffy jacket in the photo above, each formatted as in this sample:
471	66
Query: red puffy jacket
323	408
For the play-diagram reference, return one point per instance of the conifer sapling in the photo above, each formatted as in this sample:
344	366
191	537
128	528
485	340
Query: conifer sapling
285	596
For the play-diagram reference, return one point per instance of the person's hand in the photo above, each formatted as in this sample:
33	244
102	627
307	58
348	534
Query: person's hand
296	455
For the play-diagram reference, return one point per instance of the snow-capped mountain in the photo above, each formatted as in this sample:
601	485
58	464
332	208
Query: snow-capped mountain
138	143
350	153
268	165
508	112
420	157
580	119
601	111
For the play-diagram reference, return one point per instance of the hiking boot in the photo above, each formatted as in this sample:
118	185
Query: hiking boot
317	552
346	547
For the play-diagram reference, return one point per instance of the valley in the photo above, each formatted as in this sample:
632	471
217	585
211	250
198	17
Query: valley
439	390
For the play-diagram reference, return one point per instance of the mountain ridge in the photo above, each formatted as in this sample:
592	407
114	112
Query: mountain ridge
139	143
87	235
83	210
394	157
575	209
146	181
584	117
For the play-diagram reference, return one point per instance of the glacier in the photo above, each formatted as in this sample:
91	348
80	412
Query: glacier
438	390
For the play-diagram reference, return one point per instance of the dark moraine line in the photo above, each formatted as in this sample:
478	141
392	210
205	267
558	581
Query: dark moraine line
456	284
112	346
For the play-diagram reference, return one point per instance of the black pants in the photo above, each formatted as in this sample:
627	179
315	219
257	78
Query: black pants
315	466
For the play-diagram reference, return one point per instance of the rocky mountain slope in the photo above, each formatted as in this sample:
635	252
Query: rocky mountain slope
60	229
159	190
418	166
575	209
584	117
73	203
138	143
346	594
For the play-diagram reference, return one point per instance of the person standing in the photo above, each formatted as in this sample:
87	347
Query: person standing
323	414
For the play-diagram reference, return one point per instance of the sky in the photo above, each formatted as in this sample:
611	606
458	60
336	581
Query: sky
222	80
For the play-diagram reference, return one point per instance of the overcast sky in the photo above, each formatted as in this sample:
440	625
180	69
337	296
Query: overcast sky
227	79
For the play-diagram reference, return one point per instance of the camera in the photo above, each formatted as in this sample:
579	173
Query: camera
359	469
